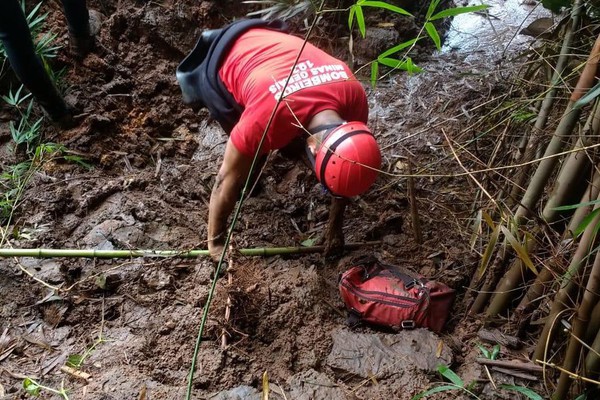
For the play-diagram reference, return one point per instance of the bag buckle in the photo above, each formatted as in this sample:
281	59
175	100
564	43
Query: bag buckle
408	324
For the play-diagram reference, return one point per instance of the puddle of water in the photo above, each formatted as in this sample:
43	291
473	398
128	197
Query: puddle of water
476	33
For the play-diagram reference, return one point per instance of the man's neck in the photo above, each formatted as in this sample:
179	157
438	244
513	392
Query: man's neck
323	118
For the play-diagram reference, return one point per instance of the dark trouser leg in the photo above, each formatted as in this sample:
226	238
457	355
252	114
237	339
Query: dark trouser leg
16	38
78	17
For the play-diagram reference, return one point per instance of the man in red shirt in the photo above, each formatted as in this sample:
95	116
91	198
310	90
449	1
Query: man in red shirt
313	95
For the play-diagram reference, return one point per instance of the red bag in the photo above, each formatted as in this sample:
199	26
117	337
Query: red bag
380	294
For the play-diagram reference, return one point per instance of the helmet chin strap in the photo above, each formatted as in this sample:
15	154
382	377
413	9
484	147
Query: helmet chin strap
328	128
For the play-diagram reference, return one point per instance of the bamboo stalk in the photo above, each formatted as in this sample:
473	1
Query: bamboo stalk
592	360
568	184
93	253
575	169
582	317
538	288
561	134
546	106
563	298
540	179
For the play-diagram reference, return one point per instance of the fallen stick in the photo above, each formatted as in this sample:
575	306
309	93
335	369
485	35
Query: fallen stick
93	253
516	374
529	367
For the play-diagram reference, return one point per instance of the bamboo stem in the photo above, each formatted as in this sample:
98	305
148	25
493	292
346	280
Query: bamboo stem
93	253
567	188
539	181
563	298
546	107
582	317
538	288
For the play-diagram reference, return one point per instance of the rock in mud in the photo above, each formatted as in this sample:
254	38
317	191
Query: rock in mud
384	355
238	393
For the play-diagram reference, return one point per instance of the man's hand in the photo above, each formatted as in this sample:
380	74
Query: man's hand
334	235
215	249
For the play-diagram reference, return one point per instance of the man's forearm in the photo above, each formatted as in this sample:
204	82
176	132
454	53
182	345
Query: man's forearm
221	204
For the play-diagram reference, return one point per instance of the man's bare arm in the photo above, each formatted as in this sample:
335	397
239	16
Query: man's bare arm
334	235
228	183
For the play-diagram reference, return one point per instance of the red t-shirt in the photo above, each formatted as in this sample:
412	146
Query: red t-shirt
255	71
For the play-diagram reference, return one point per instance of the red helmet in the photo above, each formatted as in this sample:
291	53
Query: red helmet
348	160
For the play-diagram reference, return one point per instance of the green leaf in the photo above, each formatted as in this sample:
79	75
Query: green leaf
586	221
486	353
31	387
432	6
489	251
437	389
453	12
450	375
406	65
397	48
592	94
495	352
351	17
74	361
374	73
383	4
574	206
530	394
520	250
433	34
360	19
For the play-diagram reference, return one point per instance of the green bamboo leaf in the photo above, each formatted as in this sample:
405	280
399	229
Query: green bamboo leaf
437	389
374	73
397	48
520	250
530	394
489	251
574	206
495	352
434	35
398	64
453	12
351	17
450	375
383	4
432	6
488	219
476	230
360	19
486	353
592	94
586	221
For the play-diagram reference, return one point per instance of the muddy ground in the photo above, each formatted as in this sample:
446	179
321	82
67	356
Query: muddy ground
154	160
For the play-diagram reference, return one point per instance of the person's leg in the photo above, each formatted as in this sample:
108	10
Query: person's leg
83	25
16	38
78	17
